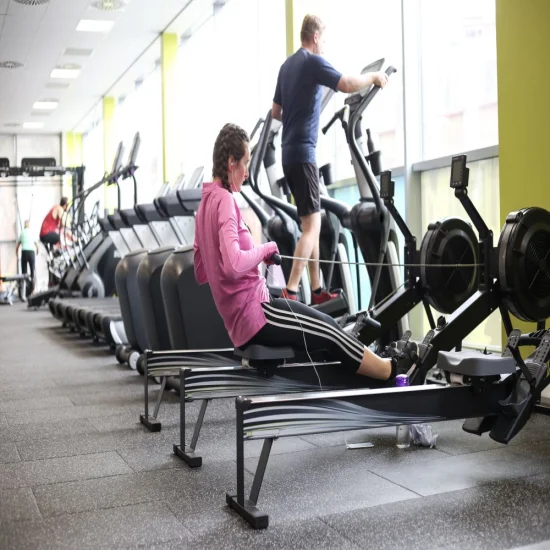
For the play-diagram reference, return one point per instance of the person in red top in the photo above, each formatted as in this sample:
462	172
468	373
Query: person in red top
49	232
227	260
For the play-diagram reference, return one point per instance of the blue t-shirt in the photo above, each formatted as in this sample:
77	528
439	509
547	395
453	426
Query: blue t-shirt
299	92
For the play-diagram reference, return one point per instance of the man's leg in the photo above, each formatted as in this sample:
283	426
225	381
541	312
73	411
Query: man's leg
311	229
303	181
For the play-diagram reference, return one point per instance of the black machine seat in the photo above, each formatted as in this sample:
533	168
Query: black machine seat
474	363
264	353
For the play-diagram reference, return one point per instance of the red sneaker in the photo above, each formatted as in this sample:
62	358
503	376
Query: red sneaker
285	294
322	297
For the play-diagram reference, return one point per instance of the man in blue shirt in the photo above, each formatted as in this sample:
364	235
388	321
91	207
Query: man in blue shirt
297	103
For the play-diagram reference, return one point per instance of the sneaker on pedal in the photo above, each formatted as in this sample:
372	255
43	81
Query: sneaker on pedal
403	359
288	296
318	298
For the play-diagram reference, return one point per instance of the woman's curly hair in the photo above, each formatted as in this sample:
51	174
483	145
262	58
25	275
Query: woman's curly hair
229	143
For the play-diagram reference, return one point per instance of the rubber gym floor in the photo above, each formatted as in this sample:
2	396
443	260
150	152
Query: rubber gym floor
77	470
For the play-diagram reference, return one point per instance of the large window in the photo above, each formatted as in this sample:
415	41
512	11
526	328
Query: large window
227	73
459	82
358	33
92	151
141	111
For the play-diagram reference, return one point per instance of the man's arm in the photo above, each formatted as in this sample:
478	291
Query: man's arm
350	84
277	111
17	247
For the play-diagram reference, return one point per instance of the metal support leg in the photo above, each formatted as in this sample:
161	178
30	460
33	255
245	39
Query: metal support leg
260	471
159	398
149	422
187	454
247	508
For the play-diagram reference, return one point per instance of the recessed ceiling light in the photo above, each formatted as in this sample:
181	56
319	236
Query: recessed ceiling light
32	2
58	85
78	52
10	64
94	25
33	125
108	5
46	105
66	71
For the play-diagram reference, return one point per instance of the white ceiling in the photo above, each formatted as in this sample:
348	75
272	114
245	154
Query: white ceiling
38	36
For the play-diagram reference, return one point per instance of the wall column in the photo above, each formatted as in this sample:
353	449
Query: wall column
168	58
110	201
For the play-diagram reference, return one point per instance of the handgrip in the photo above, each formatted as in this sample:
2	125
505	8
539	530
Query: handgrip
335	117
275	259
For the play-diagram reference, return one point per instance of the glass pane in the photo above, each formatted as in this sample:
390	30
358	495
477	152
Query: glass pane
141	111
459	81
352	42
217	84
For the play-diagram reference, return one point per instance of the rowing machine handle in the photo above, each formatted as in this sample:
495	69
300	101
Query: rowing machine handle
275	259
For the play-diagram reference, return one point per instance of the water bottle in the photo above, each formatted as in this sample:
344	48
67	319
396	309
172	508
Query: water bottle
402	432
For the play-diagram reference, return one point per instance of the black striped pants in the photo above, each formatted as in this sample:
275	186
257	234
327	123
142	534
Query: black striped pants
291	323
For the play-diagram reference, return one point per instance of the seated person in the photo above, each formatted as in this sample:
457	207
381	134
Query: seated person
226	259
49	232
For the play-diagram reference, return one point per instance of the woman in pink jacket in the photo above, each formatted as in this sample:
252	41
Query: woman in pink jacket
226	259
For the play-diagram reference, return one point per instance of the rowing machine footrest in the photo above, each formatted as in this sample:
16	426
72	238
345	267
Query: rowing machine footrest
474	363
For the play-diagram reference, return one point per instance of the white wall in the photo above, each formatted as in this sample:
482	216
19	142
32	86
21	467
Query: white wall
25	198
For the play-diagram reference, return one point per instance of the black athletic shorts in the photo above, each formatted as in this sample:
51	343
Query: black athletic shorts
303	180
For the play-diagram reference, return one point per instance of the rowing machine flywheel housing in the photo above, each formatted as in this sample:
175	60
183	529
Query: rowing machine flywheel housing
524	264
449	241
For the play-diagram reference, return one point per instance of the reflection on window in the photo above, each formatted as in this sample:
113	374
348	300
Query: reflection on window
459	81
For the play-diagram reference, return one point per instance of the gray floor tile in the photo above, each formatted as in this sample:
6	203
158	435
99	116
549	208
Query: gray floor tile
312	483
543	545
454	440
129	396
66	413
3	421
432	477
56	470
45	430
117	528
18	384
8	453
35	404
158	457
196	490
93	443
19	395
293	535
493	516
17	504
